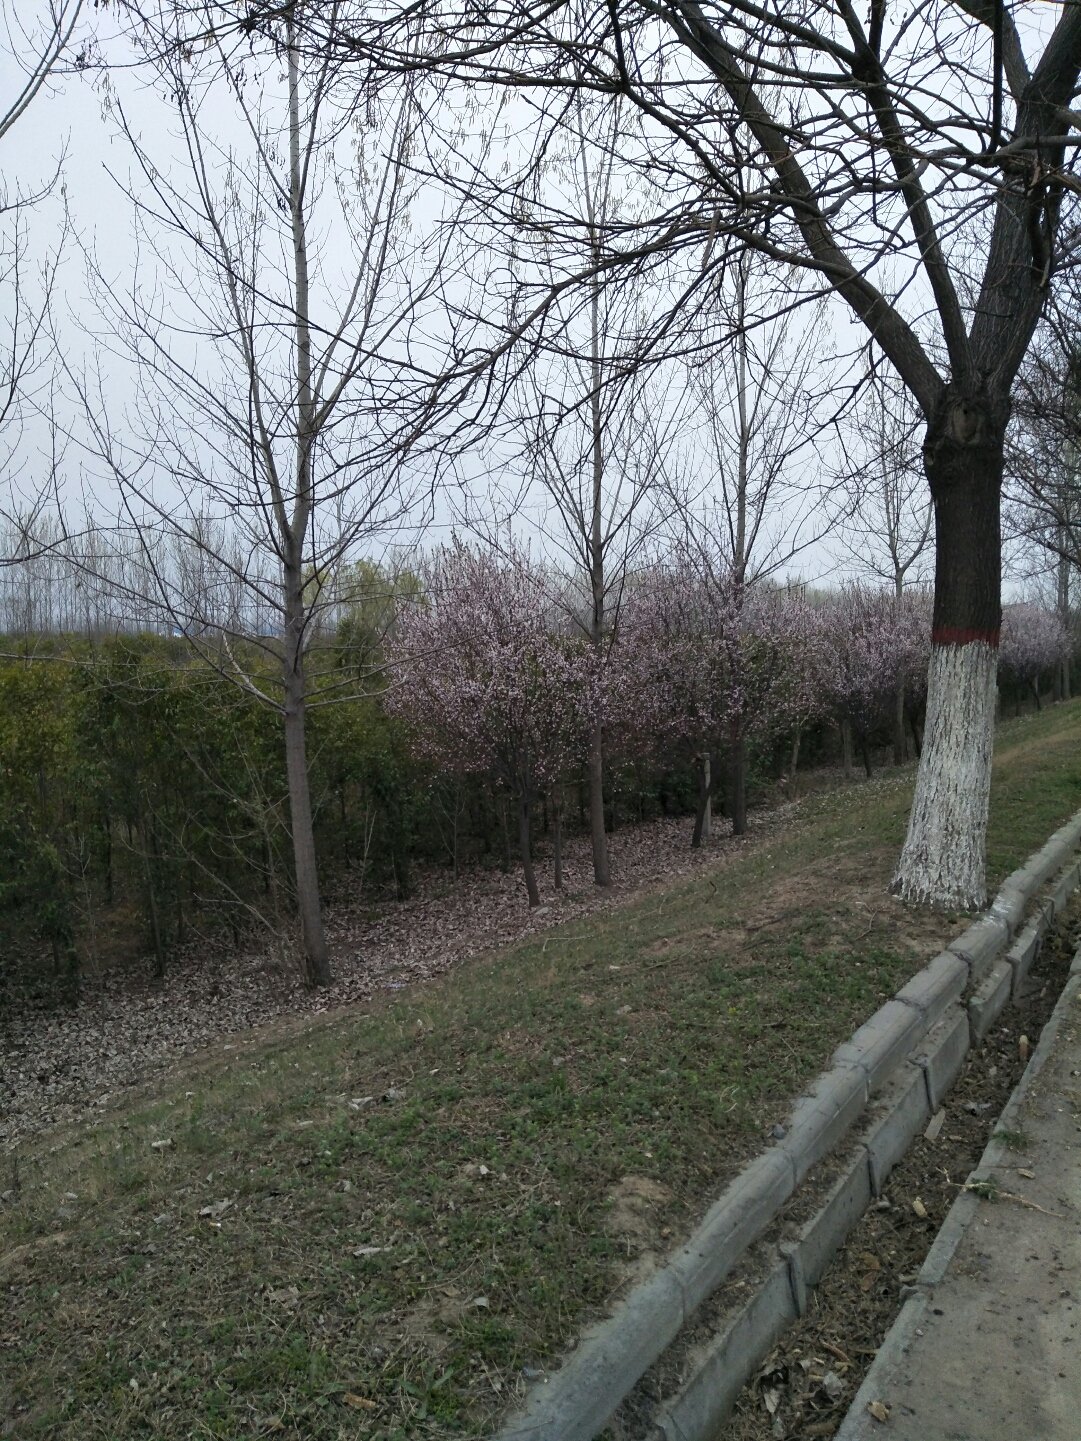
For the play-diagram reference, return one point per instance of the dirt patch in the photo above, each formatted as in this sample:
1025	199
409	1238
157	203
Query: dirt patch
19	1256
855	896
637	1207
430	1324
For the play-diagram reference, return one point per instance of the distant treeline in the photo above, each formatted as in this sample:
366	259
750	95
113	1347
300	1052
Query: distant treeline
143	795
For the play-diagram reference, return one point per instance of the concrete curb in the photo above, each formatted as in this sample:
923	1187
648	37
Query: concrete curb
1022	954
986	1003
730	1357
907	1112
980	944
699	1408
925	1021
858	1425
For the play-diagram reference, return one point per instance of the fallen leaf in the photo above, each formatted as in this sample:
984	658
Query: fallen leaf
1028	1175
879	1410
215	1210
285	1296
935	1125
369	1250
359	1403
833	1386
871	1266
166	1145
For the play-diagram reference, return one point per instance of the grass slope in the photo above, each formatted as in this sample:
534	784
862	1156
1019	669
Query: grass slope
414	1208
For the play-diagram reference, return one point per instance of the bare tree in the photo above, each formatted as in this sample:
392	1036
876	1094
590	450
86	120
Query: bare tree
39	47
885	526
257	462
753	417
917	162
600	431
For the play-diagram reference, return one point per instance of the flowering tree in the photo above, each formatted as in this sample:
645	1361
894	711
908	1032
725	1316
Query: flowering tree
486	683
714	664
876	638
1034	642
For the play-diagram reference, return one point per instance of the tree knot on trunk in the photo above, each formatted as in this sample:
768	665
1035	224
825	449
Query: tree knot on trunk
966	432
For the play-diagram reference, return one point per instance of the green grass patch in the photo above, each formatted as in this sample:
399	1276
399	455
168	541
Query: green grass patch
410	1208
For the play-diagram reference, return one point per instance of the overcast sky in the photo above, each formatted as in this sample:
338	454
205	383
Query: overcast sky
71	125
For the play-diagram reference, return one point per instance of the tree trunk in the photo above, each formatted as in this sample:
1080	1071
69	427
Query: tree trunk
737	782
917	732
846	748
602	874
865	753
107	858
557	843
317	963
152	901
525	846
707	808
900	740
294	686
1062	670
504	829
454	831
705	802
942	863
293	524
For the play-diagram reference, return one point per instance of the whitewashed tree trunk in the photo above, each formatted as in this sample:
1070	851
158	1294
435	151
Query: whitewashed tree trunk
707	808
942	863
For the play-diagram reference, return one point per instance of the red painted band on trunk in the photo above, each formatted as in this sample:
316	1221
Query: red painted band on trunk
961	635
